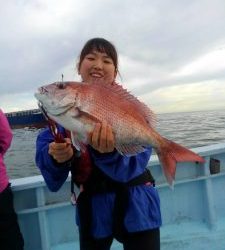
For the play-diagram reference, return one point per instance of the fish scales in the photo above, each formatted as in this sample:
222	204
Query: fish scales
117	109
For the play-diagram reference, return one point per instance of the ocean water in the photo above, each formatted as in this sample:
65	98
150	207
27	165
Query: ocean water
191	129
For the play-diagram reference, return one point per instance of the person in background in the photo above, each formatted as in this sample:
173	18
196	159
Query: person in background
10	235
118	199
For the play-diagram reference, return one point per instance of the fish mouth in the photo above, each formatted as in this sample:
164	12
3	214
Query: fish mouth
42	90
41	107
48	104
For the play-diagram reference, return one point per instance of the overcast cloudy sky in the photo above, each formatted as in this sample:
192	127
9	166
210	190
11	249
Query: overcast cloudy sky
172	53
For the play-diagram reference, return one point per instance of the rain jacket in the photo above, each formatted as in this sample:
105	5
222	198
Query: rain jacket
143	212
5	141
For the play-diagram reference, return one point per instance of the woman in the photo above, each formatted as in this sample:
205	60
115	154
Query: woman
10	235
119	199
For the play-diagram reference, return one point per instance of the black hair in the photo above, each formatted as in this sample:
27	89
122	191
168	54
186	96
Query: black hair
100	45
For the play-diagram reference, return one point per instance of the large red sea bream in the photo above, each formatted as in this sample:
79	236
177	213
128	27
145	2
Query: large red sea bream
79	106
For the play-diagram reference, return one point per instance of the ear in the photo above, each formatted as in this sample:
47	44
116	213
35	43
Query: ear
78	68
115	73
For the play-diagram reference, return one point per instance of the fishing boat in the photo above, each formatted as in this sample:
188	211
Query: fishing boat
32	118
193	212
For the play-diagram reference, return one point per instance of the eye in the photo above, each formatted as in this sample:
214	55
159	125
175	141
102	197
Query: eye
108	61
90	58
61	85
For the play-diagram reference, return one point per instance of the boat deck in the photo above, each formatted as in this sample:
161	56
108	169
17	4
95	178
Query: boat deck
193	212
75	246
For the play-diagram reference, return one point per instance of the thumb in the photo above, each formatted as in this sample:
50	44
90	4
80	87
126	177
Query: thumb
68	141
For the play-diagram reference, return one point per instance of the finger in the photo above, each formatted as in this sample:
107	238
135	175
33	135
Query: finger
110	139
56	146
60	159
68	141
61	150
51	148
103	137
62	156
64	151
59	146
95	136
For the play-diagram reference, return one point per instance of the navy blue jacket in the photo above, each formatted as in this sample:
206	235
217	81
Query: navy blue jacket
143	212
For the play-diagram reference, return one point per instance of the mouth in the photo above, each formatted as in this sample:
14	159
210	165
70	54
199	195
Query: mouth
96	75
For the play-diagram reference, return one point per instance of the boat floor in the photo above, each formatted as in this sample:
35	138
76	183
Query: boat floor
190	236
75	246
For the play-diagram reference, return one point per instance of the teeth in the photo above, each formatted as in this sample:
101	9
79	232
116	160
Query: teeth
96	75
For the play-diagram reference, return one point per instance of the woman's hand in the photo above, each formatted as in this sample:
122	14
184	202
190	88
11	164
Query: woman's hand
102	138
61	152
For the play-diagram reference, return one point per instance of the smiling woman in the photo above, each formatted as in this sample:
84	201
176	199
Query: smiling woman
98	61
113	181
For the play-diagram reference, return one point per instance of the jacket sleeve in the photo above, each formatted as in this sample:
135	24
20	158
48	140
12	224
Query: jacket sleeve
119	167
54	174
5	133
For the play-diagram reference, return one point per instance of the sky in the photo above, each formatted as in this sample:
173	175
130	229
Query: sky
171	53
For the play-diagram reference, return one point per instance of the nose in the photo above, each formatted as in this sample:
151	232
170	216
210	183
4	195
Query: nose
98	65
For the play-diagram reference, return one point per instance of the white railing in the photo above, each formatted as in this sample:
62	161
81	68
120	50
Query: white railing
194	209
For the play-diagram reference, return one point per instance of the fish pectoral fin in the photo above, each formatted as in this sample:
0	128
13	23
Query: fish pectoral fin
89	116
130	149
75	112
78	141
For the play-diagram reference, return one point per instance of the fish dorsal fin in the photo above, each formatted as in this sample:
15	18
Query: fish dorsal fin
128	99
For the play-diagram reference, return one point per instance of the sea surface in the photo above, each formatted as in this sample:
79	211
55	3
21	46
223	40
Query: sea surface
191	129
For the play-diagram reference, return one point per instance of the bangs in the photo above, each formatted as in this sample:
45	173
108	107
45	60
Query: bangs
100	45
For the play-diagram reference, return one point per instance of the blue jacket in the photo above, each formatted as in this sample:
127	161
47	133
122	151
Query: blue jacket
143	212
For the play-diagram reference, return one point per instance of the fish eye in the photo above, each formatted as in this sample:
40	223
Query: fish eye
61	85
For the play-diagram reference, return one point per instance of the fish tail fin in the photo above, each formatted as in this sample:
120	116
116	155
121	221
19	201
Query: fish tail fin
170	153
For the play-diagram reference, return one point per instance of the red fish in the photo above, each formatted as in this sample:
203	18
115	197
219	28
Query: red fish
79	106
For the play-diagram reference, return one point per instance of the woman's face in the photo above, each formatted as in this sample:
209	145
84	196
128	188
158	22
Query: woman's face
97	66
